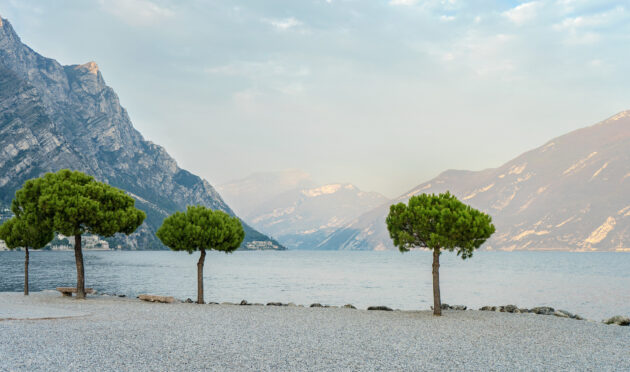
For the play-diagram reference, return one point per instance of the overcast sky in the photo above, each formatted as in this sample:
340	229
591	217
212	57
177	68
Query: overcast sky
382	94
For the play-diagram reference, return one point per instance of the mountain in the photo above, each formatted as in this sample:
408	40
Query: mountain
54	117
248	193
292	209
572	193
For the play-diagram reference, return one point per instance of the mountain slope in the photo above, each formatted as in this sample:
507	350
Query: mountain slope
54	117
572	193
288	206
246	194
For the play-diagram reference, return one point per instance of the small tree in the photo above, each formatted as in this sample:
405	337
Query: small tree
201	229
28	228
438	222
17	233
76	204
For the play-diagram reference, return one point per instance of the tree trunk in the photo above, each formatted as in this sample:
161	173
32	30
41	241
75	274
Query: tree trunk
26	272
437	302
78	257
202	258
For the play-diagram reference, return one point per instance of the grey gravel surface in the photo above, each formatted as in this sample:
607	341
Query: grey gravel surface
127	334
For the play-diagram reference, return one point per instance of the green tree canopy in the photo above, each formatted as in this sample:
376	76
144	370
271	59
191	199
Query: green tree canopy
17	233
75	204
201	229
28	228
78	204
438	222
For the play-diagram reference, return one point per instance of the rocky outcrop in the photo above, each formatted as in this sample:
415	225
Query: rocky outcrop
54	117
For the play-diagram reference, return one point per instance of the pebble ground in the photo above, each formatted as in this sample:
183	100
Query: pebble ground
106	333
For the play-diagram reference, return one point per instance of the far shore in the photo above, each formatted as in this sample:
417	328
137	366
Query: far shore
47	331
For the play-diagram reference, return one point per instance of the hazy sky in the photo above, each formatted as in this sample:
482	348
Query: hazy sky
383	94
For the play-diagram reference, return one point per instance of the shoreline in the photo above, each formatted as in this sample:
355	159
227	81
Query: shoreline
545	310
125	333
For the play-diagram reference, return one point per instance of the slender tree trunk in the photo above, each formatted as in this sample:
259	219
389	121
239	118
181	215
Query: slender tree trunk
78	257
26	272
437	303
202	258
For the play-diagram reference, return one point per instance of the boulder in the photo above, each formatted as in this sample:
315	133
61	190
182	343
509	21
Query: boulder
275	304
349	306
154	298
244	303
564	314
316	305
618	320
523	310
560	314
382	308
486	308
189	301
543	310
510	308
459	307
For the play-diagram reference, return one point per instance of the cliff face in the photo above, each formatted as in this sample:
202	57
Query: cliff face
54	117
572	193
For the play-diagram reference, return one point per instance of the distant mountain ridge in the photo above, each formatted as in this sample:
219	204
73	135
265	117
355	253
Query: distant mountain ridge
54	117
572	193
292	208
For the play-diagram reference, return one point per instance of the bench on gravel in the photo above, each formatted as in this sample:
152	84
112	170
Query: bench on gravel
154	298
68	291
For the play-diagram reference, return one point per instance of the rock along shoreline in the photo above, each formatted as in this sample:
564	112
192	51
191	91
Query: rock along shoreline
513	309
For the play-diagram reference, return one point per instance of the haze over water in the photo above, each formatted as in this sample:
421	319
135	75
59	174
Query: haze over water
594	285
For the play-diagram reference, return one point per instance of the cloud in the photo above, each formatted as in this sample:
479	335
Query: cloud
403	2
284	24
268	75
523	13
254	69
586	29
136	12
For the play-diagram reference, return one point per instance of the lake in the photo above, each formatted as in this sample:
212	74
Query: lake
594	285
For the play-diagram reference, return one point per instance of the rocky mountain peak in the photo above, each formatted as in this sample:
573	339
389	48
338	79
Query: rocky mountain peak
91	67
7	34
295	210
617	117
54	117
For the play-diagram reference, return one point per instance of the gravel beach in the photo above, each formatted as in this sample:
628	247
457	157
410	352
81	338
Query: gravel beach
47	332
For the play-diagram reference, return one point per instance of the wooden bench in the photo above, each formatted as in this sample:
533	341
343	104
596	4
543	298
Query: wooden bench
154	298
68	291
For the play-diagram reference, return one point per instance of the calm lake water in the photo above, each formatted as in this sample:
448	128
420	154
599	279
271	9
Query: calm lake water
594	285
